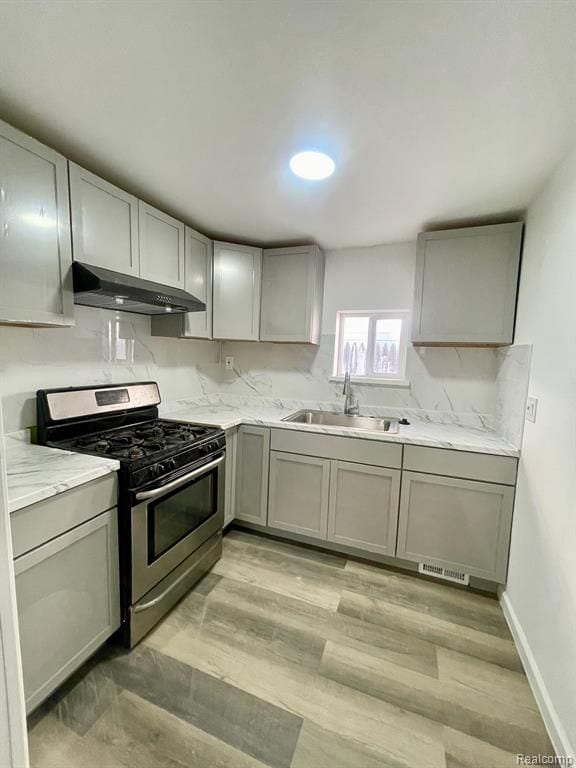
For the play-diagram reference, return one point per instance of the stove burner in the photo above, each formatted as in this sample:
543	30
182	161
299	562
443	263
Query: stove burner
142	440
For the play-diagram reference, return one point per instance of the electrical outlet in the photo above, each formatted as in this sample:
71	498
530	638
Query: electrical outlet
229	363
531	408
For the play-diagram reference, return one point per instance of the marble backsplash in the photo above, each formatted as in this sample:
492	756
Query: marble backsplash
512	379
476	387
442	379
102	348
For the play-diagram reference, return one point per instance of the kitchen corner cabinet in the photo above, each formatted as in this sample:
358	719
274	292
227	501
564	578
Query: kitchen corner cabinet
252	460
298	495
68	603
236	292
363	510
104	223
161	246
35	247
292	293
230	476
466	284
198	282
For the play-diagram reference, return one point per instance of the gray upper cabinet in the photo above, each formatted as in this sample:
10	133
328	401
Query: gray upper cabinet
466	284
363	510
198	281
455	523
104	223
252	459
292	293
236	292
298	496
34	233
161	246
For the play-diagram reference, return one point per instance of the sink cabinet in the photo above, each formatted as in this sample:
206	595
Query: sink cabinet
363	509
236	292
292	293
465	286
104	223
34	233
298	499
198	282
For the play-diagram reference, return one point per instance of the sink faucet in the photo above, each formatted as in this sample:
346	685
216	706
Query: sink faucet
351	408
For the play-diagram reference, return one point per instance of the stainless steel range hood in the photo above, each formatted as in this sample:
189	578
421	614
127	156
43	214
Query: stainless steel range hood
98	287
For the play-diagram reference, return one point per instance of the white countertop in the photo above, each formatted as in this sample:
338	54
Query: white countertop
36	473
419	432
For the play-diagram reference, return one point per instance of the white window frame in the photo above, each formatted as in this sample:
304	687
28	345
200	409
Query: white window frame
371	375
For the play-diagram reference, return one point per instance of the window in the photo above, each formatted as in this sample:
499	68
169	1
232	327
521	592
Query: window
371	345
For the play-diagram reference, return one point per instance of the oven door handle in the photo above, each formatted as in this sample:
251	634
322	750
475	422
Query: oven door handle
143	495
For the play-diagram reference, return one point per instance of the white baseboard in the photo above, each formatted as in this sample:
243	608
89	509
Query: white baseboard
556	731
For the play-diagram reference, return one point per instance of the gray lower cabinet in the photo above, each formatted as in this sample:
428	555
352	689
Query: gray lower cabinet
363	509
455	523
34	233
68	602
230	476
298	495
252	461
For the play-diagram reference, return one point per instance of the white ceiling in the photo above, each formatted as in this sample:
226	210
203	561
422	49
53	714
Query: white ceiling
435	111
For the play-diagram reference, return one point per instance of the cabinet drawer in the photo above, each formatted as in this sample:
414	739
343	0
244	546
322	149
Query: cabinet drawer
475	466
38	523
353	449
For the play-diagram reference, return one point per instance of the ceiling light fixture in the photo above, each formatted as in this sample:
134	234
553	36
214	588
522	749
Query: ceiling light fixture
312	165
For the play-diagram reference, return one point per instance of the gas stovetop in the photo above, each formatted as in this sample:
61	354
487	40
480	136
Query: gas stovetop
149	439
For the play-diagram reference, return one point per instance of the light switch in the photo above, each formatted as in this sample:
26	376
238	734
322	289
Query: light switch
531	408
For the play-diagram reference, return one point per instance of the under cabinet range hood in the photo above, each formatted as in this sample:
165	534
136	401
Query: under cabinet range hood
98	287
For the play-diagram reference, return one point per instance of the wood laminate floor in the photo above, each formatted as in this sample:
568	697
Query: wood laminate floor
292	658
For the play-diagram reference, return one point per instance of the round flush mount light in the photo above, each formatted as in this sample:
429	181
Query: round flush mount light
312	165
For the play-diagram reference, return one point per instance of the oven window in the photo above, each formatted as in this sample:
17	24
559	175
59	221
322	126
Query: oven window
173	517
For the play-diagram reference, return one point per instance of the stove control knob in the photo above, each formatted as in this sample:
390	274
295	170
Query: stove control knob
158	470
170	465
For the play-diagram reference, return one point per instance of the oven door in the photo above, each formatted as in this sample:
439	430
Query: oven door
170	522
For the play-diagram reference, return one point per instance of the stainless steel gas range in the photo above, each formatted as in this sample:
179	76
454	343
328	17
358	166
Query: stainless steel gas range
171	489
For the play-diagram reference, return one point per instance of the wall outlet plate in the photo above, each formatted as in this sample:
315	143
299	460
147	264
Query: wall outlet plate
229	363
531	408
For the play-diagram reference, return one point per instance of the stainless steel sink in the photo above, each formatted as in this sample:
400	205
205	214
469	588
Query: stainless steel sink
329	419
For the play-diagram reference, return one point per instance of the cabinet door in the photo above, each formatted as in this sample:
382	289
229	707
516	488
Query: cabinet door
68	603
453	523
230	476
298	498
35	245
252	460
198	282
465	287
237	282
104	223
292	289
363	509
161	246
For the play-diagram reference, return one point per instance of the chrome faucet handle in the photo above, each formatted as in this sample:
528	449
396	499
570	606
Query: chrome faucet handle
346	388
